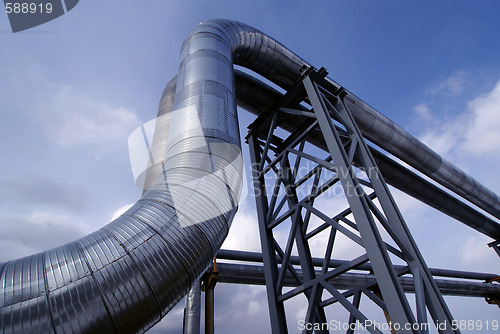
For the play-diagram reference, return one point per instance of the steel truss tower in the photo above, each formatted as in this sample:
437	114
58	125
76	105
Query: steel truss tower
292	182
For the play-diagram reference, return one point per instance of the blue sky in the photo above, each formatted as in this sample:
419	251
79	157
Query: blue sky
72	90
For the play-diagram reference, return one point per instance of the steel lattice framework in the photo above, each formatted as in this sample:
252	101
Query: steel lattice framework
286	195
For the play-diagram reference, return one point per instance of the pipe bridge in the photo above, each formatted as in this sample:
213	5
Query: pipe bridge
126	276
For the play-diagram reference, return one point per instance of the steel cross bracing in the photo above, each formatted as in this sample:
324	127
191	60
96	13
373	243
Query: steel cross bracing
496	246
292	184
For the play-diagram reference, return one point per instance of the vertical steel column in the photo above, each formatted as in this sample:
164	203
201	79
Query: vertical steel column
193	310
276	308
208	286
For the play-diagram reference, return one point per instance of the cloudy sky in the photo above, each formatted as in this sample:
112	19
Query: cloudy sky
72	90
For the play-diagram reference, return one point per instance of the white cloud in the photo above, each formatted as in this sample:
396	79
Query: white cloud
254	307
475	255
452	86
473	132
118	212
73	119
422	111
483	132
244	231
469	138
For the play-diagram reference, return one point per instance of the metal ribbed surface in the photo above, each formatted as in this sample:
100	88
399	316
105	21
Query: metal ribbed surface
85	313
127	275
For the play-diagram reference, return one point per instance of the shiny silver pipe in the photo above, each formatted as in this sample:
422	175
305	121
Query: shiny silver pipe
192	312
244	256
160	137
126	276
254	274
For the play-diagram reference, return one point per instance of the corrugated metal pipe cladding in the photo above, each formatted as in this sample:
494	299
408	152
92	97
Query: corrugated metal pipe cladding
126	276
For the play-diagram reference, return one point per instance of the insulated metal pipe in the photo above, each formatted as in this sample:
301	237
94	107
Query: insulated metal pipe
192	313
156	157
126	276
226	254
251	274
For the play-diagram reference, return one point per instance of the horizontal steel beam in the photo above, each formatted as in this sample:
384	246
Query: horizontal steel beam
254	275
225	254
